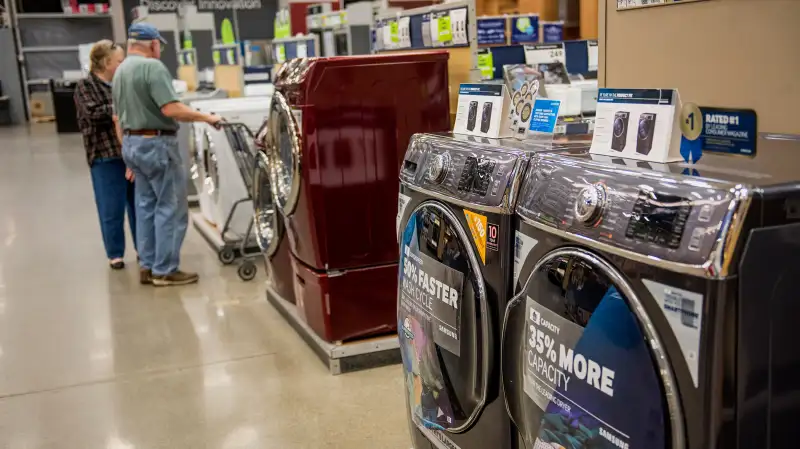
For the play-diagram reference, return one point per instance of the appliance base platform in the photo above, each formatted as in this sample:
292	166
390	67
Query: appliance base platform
340	357
212	236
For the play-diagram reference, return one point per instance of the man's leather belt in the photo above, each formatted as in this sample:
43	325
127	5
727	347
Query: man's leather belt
150	132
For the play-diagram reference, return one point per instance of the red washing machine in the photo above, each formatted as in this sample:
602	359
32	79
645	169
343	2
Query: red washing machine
339	128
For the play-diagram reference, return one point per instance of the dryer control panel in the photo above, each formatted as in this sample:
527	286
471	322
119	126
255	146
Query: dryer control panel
663	215
464	171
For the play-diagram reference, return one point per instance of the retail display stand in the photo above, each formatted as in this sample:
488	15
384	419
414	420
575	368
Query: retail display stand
340	357
412	29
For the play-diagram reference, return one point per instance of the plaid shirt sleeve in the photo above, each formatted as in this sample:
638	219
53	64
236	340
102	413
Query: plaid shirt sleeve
91	104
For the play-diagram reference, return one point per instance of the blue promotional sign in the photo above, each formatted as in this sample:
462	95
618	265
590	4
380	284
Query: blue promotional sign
492	31
733	131
553	31
525	29
545	115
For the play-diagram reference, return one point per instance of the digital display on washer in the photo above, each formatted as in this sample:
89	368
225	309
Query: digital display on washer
476	175
658	218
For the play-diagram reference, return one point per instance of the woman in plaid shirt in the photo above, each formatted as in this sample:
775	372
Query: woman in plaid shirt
112	181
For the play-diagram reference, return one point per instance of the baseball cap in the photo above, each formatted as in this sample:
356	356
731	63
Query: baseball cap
144	32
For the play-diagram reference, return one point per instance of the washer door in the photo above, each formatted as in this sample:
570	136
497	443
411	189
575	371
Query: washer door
444	336
285	150
242	143
210	167
582	363
267	223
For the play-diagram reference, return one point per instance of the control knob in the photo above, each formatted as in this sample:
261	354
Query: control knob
438	168
590	204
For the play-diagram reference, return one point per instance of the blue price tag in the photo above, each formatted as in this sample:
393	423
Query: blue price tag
545	115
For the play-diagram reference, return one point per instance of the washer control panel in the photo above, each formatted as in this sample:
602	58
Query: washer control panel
668	216
478	174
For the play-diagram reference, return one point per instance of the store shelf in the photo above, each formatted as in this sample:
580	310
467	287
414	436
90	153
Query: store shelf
340	357
61	15
49	48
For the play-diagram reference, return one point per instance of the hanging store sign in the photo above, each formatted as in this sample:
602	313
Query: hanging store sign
492	31
525	29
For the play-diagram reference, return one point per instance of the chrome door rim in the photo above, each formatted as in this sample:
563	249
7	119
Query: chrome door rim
286	202
480	293
263	219
654	341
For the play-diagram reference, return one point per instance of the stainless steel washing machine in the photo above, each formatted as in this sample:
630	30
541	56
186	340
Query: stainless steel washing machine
655	304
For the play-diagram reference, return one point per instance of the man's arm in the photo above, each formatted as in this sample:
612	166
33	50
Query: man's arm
118	128
182	113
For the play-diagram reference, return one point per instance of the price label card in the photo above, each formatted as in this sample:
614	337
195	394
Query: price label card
218	58
593	56
404	25
394	32
302	50
483	110
387	35
426	30
458	26
544	54
280	54
486	63
444	34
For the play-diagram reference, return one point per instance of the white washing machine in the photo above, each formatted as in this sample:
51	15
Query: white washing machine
217	166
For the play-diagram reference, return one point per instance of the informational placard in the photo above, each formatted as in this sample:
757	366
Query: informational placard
544	116
553	31
404	30
545	54
458	26
731	131
426	30
486	63
633	4
441	34
594	56
525	83
525	29
430	293
483	110
492	31
280	53
638	124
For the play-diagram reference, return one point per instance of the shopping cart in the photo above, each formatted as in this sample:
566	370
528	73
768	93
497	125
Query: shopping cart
242	143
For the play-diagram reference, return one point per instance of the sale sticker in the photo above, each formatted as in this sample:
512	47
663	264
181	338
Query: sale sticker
477	226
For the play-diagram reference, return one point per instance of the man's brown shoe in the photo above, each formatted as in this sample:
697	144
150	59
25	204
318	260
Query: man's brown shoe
176	278
145	276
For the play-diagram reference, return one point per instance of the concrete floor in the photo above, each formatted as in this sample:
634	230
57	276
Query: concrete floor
91	359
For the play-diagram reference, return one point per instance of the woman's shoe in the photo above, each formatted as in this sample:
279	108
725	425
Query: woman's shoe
117	264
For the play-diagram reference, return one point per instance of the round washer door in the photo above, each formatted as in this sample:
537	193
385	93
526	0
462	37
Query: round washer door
444	343
582	364
243	145
284	146
267	223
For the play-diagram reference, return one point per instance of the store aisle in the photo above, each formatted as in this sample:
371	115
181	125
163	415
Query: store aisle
91	359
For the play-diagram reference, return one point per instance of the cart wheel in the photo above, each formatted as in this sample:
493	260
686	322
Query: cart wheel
226	256
247	271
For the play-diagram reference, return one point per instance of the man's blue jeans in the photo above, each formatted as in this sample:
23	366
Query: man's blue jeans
162	208
113	194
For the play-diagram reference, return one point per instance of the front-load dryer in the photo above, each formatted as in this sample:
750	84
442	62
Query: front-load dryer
658	303
339	129
270	232
455	226
224	184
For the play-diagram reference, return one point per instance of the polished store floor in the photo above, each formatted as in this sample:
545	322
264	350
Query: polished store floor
90	359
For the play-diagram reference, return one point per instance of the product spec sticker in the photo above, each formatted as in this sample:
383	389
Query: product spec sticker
402	202
430	292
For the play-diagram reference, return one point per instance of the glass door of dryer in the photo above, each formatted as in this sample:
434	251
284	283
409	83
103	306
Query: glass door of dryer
285	149
267	223
582	364
442	324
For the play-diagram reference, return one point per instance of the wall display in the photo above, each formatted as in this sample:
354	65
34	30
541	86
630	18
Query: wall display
633	4
552	31
492	31
638	124
525	29
483	110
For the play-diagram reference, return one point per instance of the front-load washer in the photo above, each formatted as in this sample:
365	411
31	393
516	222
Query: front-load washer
455	225
657	305
270	232
224	182
338	129
187	143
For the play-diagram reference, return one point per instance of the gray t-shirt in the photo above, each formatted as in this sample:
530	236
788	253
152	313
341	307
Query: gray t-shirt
140	88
